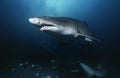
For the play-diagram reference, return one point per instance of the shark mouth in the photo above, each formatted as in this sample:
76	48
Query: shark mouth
47	27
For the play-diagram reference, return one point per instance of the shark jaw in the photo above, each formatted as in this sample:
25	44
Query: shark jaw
48	27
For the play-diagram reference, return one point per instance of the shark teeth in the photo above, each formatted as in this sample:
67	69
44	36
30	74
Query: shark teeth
44	28
47	28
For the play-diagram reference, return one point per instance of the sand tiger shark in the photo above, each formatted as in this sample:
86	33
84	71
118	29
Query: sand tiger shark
64	28
93	73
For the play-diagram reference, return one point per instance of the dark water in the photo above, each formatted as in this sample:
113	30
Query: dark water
22	45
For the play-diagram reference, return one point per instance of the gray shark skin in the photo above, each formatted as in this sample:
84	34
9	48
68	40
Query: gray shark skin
64	28
92	73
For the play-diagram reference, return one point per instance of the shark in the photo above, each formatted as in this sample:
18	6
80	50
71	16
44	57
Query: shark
65	28
93	73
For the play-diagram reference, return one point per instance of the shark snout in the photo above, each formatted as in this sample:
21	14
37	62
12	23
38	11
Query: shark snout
30	20
35	21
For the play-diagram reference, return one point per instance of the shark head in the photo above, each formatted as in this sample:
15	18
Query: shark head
46	23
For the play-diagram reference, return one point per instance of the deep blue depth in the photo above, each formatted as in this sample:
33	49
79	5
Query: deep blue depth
19	39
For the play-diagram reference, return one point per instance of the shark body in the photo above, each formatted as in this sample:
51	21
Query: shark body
64	28
92	73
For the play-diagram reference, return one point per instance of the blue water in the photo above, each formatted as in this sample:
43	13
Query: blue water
19	40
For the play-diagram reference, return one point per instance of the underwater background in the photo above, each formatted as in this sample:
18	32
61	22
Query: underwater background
25	51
